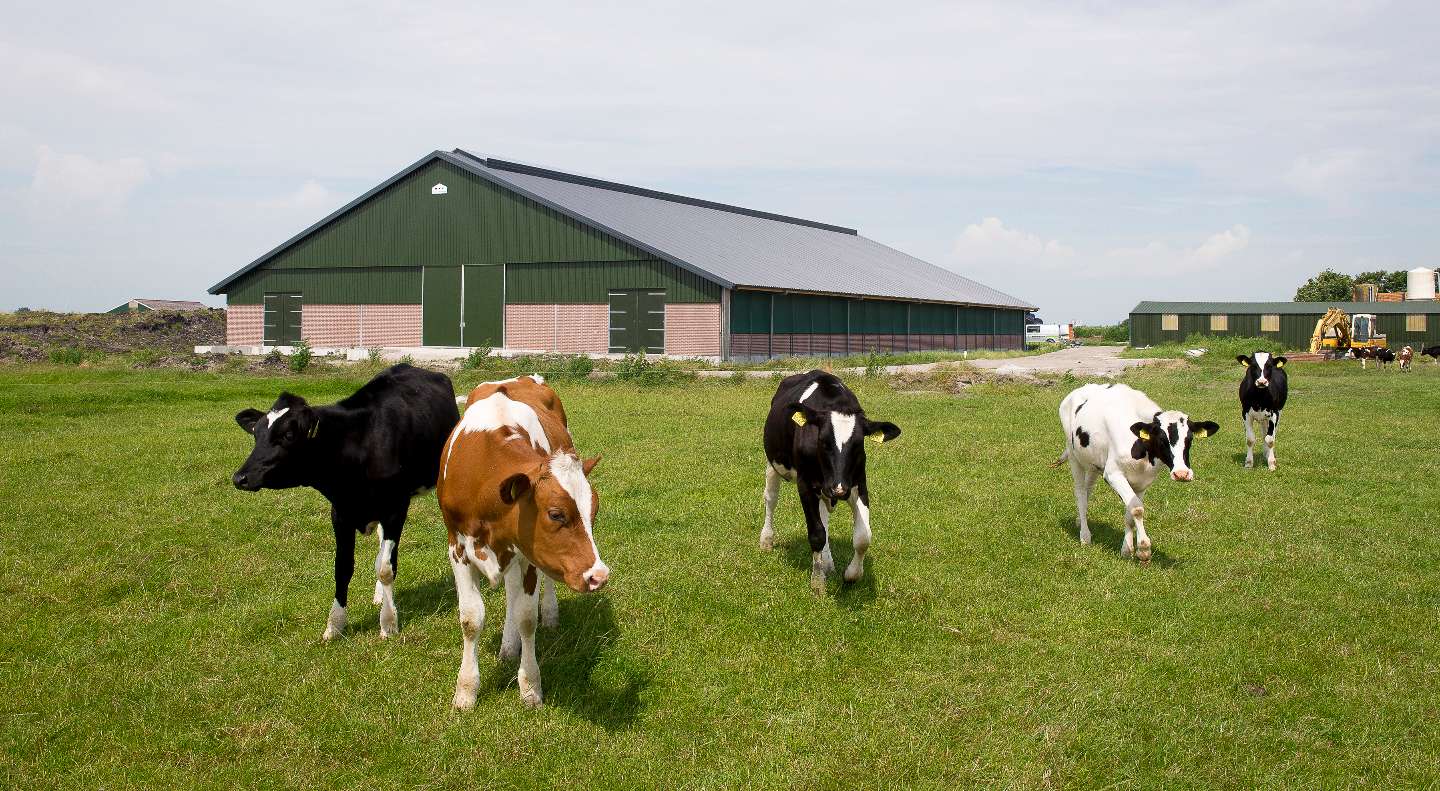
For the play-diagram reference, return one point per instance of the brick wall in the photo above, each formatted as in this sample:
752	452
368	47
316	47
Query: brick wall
692	329
244	325
360	325
559	328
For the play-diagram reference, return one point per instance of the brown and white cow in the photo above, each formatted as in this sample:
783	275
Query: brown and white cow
516	500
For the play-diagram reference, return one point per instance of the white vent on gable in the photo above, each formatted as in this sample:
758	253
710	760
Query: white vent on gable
439	189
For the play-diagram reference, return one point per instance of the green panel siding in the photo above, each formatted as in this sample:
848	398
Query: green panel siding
440	324
637	320
483	323
877	317
283	319
392	285
806	313
590	282
1295	329
750	312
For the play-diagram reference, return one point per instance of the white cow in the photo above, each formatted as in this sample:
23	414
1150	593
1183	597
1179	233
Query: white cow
1118	432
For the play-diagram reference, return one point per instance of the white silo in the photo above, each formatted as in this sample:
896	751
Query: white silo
1421	284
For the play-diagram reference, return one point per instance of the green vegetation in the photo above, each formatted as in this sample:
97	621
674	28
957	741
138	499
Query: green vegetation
1104	333
162	629
300	356
1217	347
1332	286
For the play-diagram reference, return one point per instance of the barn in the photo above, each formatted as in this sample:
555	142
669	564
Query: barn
458	250
1290	324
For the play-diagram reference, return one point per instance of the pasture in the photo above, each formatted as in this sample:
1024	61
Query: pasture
162	628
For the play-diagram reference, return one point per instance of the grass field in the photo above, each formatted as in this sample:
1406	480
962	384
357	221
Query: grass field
162	628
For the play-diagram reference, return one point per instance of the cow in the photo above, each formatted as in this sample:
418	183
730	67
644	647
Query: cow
368	455
517	502
1117	432
1363	354
815	436
1263	390
1433	352
1384	356
1406	355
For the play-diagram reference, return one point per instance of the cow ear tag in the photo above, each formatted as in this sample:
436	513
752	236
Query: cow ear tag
1200	432
1244	363
1145	435
878	436
315	429
1279	363
798	417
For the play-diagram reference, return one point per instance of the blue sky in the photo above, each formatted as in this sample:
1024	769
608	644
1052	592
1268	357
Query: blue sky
1081	156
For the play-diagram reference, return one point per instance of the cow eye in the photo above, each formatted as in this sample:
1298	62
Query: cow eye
557	516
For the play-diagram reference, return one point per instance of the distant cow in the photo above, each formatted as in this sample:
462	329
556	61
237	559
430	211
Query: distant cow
1263	390
815	435
1406	355
1363	354
1118	433
1383	357
368	454
1433	352
516	499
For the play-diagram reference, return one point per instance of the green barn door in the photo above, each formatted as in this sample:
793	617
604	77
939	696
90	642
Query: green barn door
440	306
637	320
282	319
484	317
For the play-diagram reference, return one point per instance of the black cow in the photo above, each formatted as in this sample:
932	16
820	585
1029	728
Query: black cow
815	435
1433	352
1384	357
368	454
1262	396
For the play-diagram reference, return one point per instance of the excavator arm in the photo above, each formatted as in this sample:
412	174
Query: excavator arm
1334	319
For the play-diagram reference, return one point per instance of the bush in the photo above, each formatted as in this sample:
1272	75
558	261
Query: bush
376	356
1109	333
67	355
477	359
642	370
300	358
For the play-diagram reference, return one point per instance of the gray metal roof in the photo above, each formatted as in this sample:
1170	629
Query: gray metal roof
1309	308
731	245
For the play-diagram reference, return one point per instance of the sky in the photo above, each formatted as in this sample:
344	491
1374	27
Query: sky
1080	156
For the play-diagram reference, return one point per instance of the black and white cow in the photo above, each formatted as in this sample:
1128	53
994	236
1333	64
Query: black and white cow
815	435
1384	356
1433	352
368	454
1118	433
1263	391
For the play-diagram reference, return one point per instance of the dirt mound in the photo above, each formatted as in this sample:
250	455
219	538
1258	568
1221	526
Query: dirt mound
32	336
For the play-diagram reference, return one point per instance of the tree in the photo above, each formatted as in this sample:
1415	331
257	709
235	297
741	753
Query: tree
1328	286
1387	281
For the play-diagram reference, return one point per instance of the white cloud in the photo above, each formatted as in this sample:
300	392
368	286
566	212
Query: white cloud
989	239
312	196
73	180
1336	176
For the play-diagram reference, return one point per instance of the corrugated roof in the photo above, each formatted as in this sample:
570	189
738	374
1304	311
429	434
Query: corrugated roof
741	247
172	304
1408	306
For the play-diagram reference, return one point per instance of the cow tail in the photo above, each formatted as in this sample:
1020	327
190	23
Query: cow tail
1064	457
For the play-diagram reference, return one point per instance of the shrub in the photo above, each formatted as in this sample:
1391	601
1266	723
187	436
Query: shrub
376	356
301	356
67	355
874	363
477	359
640	369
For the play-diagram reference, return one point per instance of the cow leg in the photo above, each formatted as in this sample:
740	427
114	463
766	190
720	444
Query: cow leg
1134	514
1270	440
1249	438
549	605
772	495
387	566
860	505
522	610
1084	476
344	570
817	526
472	618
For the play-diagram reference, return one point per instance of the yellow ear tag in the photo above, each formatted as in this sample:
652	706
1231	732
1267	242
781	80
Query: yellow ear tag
798	417
315	429
1145	435
878	436
1244	363
1279	363
1200	432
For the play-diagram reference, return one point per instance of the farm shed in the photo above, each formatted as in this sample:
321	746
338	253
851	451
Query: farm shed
1413	322
462	251
142	305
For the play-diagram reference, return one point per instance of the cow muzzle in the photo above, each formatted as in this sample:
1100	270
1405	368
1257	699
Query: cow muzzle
1182	475
838	491
246	482
1262	382
596	577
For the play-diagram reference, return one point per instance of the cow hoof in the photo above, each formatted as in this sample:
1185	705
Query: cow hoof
1126	551
767	539
1249	463
1143	553
1272	466
331	633
854	572
335	624
531	697
389	624
464	699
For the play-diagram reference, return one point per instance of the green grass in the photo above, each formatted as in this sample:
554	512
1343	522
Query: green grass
162	628
1222	348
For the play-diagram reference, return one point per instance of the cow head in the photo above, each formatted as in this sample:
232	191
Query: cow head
836	442
556	516
283	437
1166	439
1261	368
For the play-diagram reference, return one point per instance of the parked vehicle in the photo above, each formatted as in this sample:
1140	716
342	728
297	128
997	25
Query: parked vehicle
1040	334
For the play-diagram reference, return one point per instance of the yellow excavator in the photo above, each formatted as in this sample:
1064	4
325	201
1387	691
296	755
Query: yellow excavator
1337	331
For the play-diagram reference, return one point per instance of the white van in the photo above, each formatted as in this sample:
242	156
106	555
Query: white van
1041	334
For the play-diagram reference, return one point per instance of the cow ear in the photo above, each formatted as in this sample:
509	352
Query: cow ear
1280	362
514	487
881	430
1203	428
801	414
248	418
1243	360
589	464
1141	430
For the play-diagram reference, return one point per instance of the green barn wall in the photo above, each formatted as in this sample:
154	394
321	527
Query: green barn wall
405	227
751	311
1295	329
